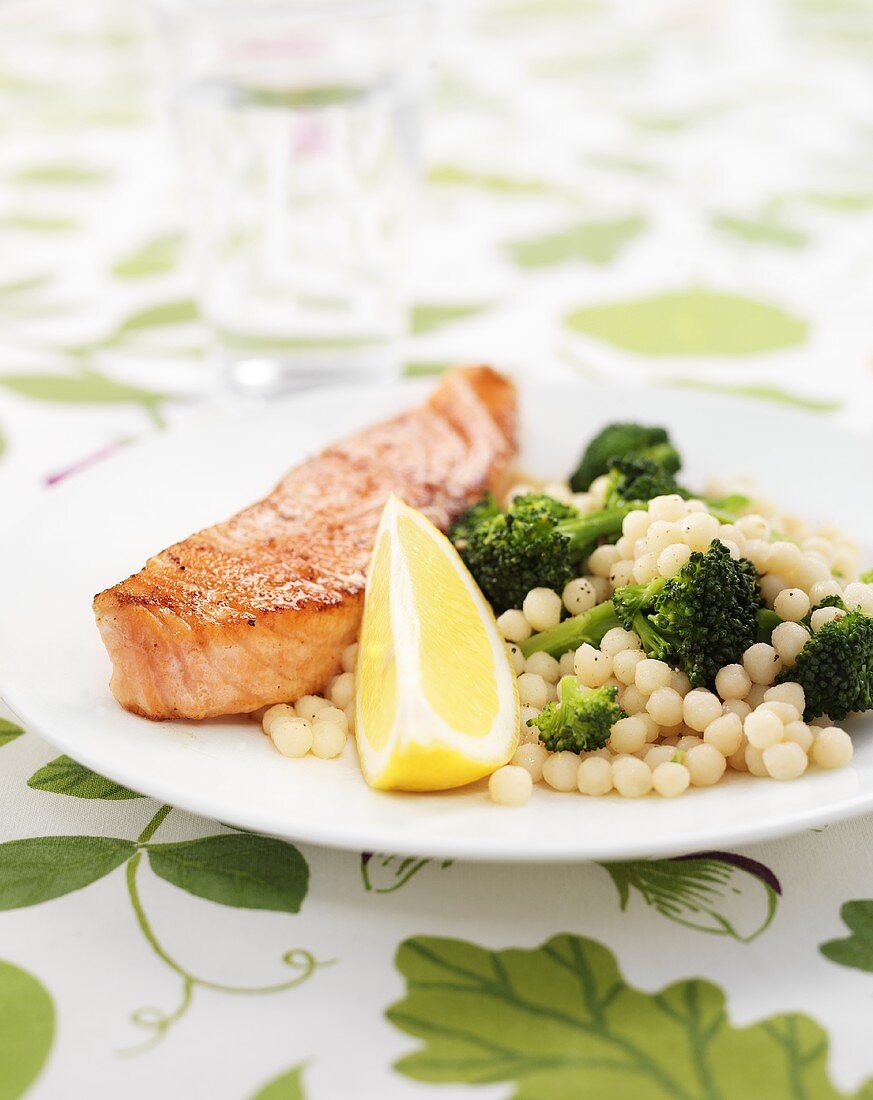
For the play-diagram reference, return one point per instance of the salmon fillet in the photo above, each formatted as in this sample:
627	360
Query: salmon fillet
258	609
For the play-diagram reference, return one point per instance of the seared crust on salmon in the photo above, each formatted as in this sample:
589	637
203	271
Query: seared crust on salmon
258	609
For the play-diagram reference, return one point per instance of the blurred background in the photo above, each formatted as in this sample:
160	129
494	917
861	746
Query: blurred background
664	192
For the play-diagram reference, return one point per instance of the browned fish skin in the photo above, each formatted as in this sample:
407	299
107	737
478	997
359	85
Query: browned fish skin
258	609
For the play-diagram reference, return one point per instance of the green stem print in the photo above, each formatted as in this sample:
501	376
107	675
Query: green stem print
383	874
856	950
559	1022
236	869
716	892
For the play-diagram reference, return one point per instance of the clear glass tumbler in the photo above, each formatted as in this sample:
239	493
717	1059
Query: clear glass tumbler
300	122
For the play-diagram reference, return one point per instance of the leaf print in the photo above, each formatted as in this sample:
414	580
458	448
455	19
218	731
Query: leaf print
86	388
155	257
287	1086
8	731
182	312
855	950
238	869
597	242
64	776
452	175
24	286
759	392
27	1027
715	892
427	316
44	867
383	874
559	1022
37	223
62	174
424	370
760	231
690	322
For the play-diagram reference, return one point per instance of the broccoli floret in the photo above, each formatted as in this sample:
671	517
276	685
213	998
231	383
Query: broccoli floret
581	721
537	542
623	441
702	619
639	479
866	577
835	668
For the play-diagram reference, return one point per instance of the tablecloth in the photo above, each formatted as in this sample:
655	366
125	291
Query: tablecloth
670	194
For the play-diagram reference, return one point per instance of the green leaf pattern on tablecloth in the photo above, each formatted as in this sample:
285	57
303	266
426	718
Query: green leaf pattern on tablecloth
287	1086
40	868
65	776
856	950
27	1027
559	1022
595	242
9	731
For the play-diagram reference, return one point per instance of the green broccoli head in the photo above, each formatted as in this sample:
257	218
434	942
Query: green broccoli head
581	721
511	552
835	668
702	619
623	441
637	480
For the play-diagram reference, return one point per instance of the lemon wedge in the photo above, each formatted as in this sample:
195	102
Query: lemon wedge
436	699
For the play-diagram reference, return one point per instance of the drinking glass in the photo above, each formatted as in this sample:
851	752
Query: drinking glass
300	124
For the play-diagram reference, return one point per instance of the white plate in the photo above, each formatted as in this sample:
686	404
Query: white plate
102	524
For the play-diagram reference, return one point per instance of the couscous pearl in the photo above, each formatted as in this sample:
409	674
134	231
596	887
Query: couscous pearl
822	589
755	762
698	530
733	548
624	665
737	760
567	662
853	594
732	682
671	560
762	663
517	658
621	574
332	714
579	596
645	568
602	560
342	689
785	761
632	700
307	706
559	490
705	764
866	601
594	776
812	569
328	737
602	588
824	615
273	714
583	503
695	505
792	604
771	585
800	734
514	626
531	757
533	691
739	707
658	754
724	733
640	548
632	777
619	640
817	544
628	735
652	728
661	535
756	695
560	770
625	547
528	735
519	491
510	786
688	741
754	527
670	779
700	708
785	712
784	557
763	728
788	640
832	748
591	666
670	508
650	675
679	682
599	488
670	734
758	553
545	665
350	655
665	706
635	525
787	693
542	608
351	716
291	736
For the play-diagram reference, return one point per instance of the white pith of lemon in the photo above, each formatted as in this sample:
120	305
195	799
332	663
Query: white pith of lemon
436	697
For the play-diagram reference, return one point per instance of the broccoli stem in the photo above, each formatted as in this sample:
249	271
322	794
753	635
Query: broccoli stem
588	529
588	627
767	622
